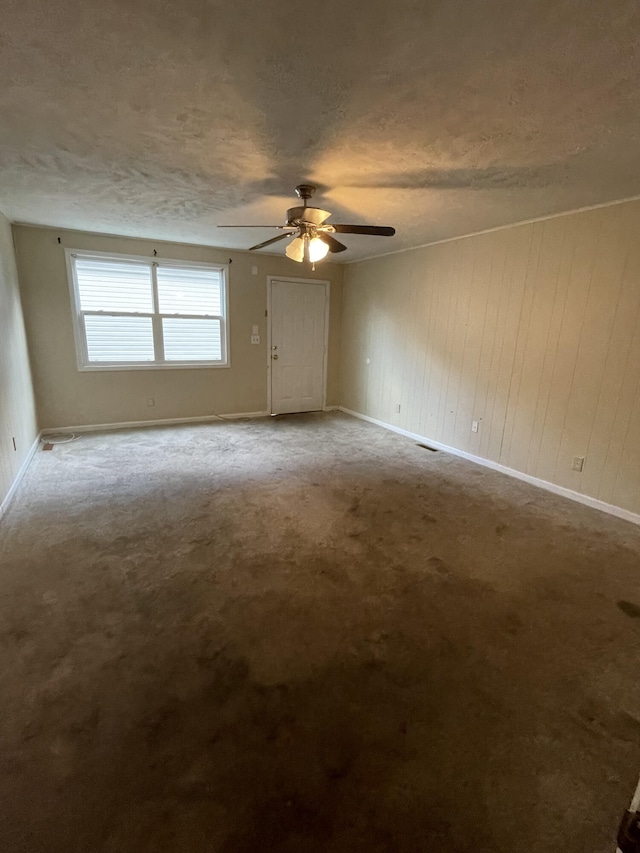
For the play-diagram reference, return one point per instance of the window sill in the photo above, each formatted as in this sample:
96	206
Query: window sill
101	368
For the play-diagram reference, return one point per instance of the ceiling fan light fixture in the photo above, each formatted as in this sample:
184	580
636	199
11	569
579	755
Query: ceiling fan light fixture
305	247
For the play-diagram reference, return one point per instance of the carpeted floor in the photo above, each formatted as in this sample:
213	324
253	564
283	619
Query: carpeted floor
308	634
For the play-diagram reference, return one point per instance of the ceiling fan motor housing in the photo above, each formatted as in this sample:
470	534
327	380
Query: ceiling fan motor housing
311	215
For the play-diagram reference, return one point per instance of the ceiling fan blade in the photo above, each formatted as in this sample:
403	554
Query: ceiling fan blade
269	242
377	230
333	244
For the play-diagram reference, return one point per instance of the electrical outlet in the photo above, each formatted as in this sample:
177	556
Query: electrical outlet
397	408
151	401
475	426
577	463
255	339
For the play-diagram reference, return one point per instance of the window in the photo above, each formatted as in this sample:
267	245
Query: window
134	313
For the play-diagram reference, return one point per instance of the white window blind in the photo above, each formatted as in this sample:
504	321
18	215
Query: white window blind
189	291
119	339
191	340
114	286
139	313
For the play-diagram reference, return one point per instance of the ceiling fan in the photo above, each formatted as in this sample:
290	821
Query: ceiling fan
312	237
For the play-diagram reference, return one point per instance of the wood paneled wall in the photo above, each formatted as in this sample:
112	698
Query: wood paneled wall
17	413
533	330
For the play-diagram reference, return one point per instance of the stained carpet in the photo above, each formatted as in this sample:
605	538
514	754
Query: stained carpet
309	634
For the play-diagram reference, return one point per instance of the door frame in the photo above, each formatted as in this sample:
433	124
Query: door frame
325	361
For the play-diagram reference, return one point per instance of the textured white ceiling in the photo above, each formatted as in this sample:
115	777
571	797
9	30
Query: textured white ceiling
162	119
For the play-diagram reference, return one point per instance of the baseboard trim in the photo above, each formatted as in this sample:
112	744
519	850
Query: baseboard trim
594	503
202	419
13	488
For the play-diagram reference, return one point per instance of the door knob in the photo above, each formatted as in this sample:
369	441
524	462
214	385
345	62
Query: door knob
274	356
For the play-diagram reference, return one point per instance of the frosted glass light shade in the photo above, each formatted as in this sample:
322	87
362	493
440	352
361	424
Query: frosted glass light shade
295	250
317	249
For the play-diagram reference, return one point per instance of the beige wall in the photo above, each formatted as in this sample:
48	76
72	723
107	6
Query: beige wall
67	397
533	330
17	413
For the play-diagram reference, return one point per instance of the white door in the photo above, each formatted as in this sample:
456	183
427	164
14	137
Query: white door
298	334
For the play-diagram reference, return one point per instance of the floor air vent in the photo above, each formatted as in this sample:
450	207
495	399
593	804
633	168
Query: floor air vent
426	447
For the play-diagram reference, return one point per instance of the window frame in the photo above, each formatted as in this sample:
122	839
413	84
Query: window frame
159	363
